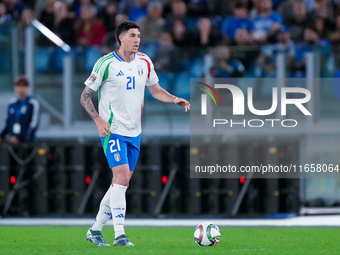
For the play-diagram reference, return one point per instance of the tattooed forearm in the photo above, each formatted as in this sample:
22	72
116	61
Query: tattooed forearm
87	103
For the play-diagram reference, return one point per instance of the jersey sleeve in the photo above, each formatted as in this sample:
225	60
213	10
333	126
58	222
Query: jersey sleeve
152	76
95	79
33	126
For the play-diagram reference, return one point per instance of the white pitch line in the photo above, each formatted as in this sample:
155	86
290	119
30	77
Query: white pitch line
303	221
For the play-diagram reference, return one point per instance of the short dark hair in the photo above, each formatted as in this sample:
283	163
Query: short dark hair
124	27
239	5
312	27
21	80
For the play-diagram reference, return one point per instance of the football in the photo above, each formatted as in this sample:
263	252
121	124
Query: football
207	234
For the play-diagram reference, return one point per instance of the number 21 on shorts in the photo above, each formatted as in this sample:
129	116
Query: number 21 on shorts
114	143
129	81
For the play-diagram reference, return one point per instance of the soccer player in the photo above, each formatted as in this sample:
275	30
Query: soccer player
22	115
120	78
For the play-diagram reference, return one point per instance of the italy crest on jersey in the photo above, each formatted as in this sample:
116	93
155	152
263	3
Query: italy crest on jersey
140	70
117	157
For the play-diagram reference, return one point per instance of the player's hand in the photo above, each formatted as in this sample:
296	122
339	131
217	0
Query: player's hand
103	127
182	102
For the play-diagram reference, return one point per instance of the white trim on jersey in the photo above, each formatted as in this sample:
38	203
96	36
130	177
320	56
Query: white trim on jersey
35	113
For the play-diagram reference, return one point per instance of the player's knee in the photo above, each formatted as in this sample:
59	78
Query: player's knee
123	180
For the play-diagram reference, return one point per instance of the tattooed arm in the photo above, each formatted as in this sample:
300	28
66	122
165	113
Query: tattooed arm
86	102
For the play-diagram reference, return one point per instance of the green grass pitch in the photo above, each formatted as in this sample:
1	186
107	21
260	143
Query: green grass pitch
171	240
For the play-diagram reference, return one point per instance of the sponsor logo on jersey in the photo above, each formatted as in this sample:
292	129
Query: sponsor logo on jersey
140	70
117	157
120	73
92	78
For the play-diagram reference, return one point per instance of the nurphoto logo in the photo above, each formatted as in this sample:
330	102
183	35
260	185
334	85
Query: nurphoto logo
239	104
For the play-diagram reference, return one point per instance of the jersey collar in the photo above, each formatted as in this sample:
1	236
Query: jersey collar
119	58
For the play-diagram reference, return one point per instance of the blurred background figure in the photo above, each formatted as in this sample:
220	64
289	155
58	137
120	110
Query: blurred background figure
255	9
242	37
222	8
110	42
225	66
312	41
25	20
152	24
267	23
183	39
166	57
26	17
322	9
90	30
179	11
75	7
23	112
181	35
298	21
107	15
90	33
334	38
4	17
239	20
197	8
46	18
206	33
47	14
140	10
267	58
286	9
14	8
63	25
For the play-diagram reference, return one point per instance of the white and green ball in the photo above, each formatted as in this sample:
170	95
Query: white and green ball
207	234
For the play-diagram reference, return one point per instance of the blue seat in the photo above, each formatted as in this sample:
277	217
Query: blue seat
58	59
43	59
92	54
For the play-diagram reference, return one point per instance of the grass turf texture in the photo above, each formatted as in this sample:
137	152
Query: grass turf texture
171	240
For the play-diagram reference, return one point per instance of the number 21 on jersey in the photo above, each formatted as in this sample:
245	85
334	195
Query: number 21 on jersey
130	80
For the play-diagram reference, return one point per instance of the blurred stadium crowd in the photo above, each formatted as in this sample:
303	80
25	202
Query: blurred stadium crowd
244	36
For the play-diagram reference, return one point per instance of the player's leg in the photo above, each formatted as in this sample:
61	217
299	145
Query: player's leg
115	151
104	213
122	176
120	183
94	233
